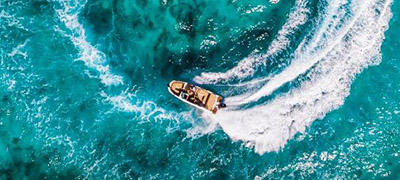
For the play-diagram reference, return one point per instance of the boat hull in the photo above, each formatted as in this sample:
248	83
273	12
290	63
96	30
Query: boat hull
200	98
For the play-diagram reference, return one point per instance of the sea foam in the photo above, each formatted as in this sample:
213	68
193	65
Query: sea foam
248	65
346	42
93	58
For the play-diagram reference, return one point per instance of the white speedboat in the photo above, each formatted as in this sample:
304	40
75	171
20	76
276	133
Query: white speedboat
196	96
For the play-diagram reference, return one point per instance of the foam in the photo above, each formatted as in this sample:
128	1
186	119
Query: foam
95	59
88	53
17	50
147	109
247	66
11	20
304	59
337	52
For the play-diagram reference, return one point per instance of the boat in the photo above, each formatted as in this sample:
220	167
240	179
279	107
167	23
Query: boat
196	96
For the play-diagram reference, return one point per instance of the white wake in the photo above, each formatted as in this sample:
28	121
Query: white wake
347	40
247	66
94	59
68	13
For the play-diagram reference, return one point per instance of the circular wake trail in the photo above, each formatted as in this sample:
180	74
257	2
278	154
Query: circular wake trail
68	13
247	67
125	101
347	40
305	59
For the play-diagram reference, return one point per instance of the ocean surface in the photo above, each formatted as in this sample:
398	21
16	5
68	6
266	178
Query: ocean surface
312	89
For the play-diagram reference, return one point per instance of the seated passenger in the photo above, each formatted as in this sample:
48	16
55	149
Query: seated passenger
192	87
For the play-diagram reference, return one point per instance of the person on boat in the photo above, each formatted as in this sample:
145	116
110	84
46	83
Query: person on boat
192	94
193	97
185	94
191	89
189	93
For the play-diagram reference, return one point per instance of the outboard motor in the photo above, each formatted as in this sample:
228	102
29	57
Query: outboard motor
222	105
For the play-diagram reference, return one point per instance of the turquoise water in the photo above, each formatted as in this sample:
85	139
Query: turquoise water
312	88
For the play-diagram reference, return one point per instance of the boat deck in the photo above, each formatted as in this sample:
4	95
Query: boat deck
207	99
176	87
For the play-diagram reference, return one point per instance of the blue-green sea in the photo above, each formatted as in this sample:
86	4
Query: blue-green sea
312	89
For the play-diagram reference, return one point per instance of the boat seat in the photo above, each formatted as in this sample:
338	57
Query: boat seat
202	95
208	99
211	101
177	87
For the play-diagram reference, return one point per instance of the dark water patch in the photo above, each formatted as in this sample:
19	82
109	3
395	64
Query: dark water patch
15	140
142	3
40	6
5	98
184	14
99	18
29	163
